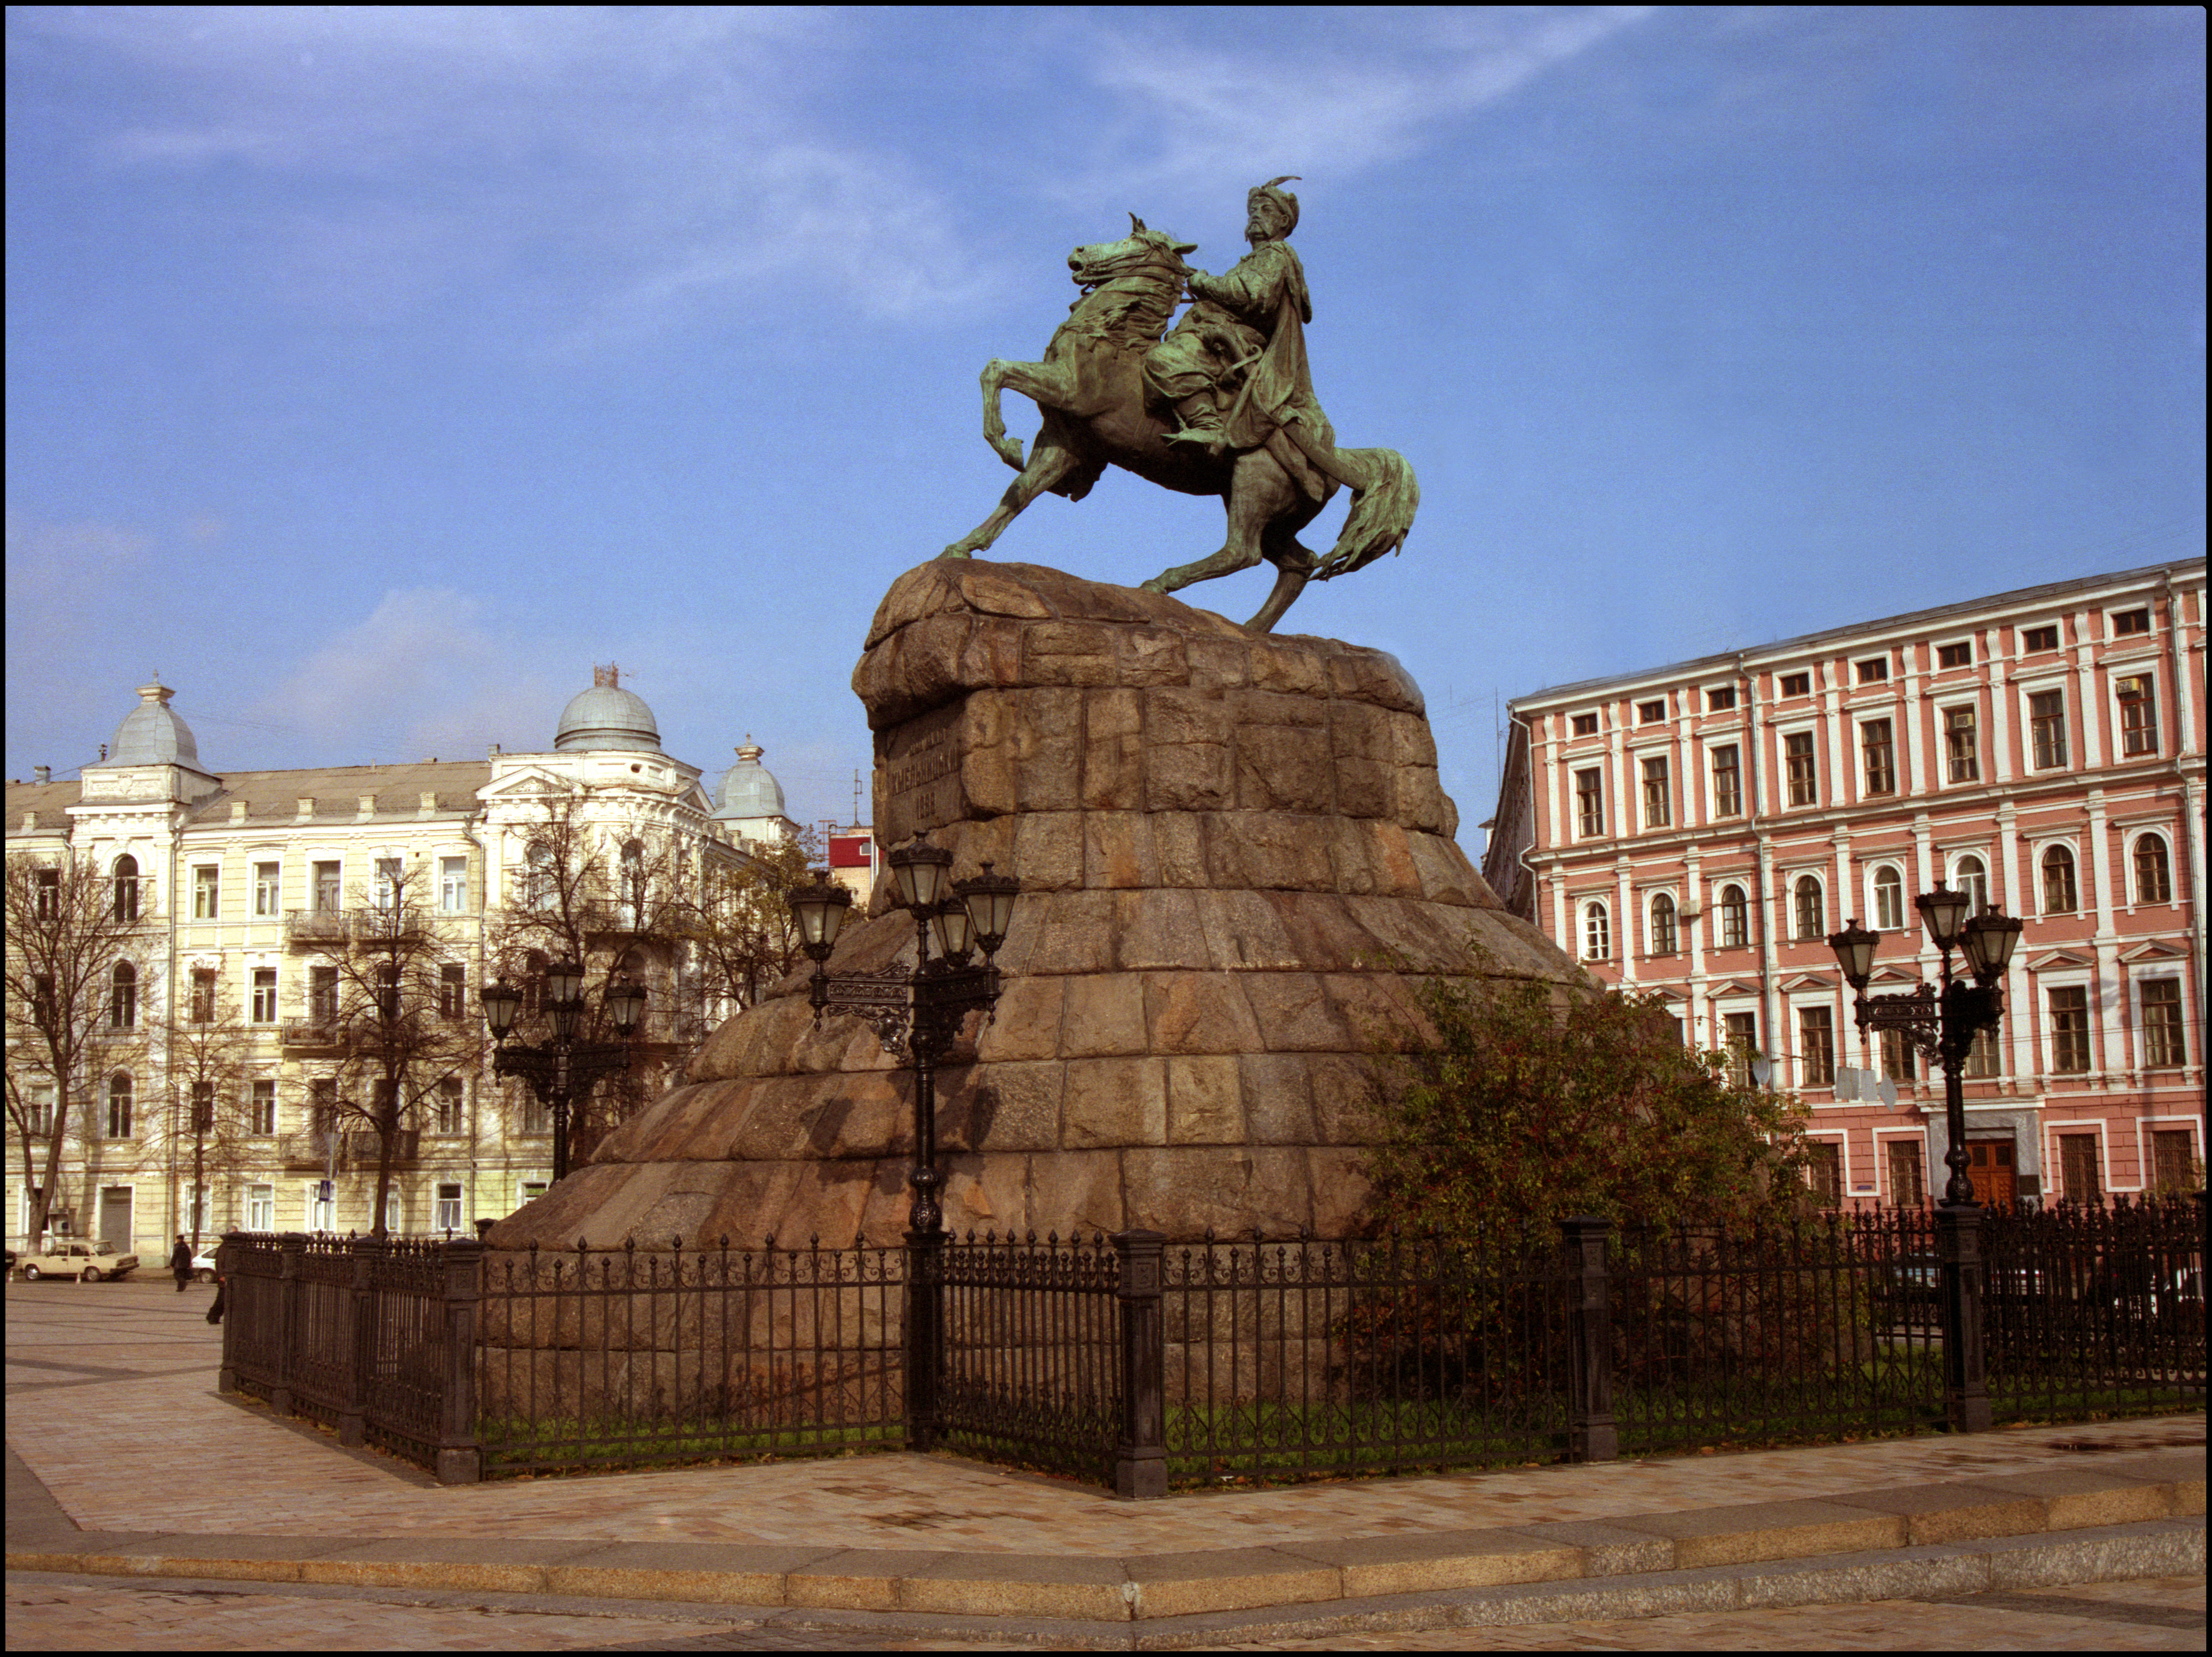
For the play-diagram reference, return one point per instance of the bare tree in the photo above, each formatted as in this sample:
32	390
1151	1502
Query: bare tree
615	897
740	924
209	1123
399	1020
76	991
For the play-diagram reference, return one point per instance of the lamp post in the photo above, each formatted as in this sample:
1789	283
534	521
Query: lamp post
917	1013
562	1070
1943	1024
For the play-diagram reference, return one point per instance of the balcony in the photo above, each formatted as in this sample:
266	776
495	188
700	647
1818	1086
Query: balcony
311	1150
372	927
360	1147
310	1032
308	928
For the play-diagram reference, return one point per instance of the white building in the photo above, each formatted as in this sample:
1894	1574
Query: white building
246	879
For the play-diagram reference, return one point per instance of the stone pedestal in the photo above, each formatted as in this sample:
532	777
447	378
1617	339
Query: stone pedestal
1234	853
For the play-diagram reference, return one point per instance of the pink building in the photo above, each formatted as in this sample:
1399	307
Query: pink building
1699	830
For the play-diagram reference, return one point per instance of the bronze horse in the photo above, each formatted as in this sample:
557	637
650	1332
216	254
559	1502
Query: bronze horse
1091	390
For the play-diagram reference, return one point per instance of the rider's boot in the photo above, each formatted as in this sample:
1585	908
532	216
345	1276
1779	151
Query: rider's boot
1201	423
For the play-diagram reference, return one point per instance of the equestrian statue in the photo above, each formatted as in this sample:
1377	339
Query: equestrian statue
1223	404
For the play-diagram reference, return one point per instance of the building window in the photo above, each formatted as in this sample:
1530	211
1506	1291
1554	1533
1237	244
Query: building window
2161	1025
2138	716
1664	933
1741	1032
389	877
2059	896
2078	1163
322	1104
207	893
2069	1030
2040	638
2131	621
454	885
1872	671
2153	877
1878	748
1589	802
1897	1060
1736	919
1982	1055
447	1216
1658	802
451	1115
126	888
118	1107
322	996
1728	782
40	1109
1797	684
1650	713
1908	1185
1970	878
1816	1046
330	889
388	992
1812	913
1824	1172
1804	779
122	997
1597	932
322	1210
1961	749
264	994
2173	1160
202	1107
261	1208
1888	899
1584	724
2046	723
203	996
1955	656
268	900
453	992
1720	701
261	1108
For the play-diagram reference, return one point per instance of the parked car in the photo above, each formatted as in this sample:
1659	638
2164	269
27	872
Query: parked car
203	1264
86	1262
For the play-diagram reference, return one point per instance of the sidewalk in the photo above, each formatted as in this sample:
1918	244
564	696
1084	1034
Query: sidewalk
132	1466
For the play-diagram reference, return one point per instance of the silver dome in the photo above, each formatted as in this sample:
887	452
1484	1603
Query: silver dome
748	790
607	716
152	734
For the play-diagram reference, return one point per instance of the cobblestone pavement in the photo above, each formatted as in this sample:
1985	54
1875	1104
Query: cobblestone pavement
53	1614
112	1404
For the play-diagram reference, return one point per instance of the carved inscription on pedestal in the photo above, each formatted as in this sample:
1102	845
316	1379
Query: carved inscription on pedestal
921	782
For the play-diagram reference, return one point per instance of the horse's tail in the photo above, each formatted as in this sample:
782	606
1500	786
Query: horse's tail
1383	508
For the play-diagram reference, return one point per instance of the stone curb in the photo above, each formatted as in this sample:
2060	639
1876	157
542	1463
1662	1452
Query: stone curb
1946	1571
1627	1553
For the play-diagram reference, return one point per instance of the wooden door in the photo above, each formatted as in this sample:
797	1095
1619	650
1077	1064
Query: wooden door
1990	1167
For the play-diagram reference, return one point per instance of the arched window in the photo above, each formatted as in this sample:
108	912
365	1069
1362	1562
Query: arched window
1812	913
1597	932
537	875
2058	897
122	1001
1970	878
118	1107
2154	875
1736	919
1662	925
632	885
534	963
126	888
1888	899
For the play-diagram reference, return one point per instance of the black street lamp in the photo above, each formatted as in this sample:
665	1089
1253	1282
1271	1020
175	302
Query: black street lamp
562	1070
916	1011
1943	1026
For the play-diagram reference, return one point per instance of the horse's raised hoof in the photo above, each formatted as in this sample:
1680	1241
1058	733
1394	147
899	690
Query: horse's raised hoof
1009	449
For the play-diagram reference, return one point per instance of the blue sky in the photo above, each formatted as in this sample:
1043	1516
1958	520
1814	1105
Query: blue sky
371	374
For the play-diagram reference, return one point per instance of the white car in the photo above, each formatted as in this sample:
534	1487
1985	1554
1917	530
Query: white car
204	1266
86	1262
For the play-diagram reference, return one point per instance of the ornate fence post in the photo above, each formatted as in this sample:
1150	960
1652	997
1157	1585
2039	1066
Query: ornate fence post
925	1334
1141	1460
292	1245
226	1263
359	1335
460	1459
1965	1378
1591	1434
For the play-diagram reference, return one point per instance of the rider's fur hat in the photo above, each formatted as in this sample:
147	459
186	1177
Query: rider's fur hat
1282	201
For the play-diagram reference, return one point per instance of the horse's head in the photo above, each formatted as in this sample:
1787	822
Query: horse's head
1100	262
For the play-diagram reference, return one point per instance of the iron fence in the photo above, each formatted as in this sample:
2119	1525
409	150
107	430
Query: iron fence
1125	1360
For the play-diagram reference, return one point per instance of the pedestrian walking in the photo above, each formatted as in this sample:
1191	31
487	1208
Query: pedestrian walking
180	1262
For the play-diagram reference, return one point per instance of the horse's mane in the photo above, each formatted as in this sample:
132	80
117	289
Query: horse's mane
1130	306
